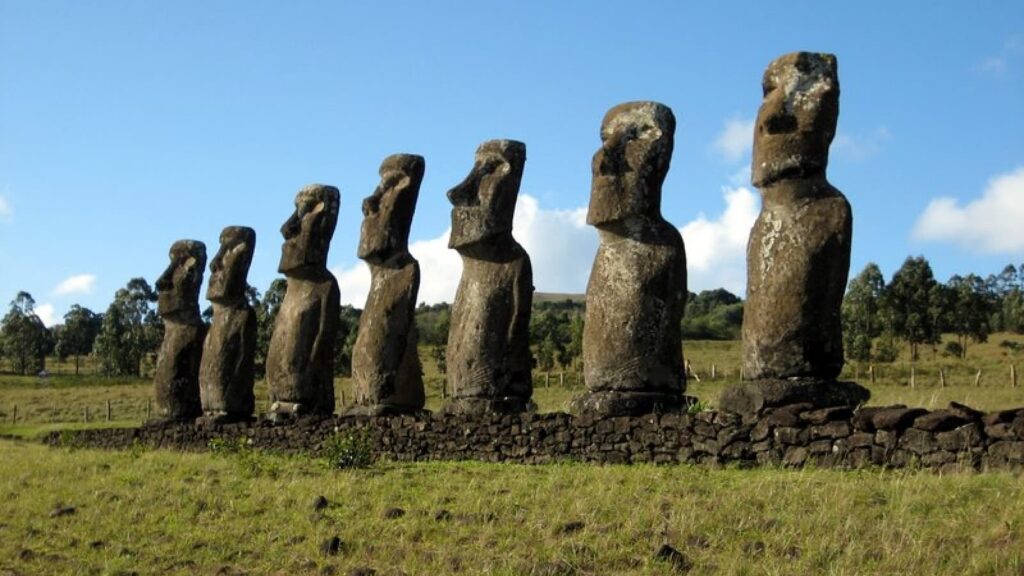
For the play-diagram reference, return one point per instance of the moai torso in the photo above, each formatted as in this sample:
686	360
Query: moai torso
300	359
632	346
798	256
488	356
226	375
386	371
176	378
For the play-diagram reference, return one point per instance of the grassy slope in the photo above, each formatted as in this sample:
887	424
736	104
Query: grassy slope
162	512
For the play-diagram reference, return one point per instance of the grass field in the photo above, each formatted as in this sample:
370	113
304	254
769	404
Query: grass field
158	512
65	398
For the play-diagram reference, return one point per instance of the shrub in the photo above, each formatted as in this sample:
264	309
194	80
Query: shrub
348	449
953	350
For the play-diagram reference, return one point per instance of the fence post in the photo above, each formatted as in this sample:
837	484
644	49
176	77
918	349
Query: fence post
913	377
148	409
977	378
86	413
1013	376
14	415
714	372
561	379
108	410
871	372
942	378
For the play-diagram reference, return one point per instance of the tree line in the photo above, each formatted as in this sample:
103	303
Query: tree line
913	308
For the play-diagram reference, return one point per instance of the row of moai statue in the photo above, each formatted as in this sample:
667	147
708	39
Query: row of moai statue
797	259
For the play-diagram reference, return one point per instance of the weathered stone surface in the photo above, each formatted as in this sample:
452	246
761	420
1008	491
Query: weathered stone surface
229	353
753	397
300	359
918	441
823	415
965	412
960	439
939	421
386	372
632	347
176	378
488	354
896	417
798	256
1002	416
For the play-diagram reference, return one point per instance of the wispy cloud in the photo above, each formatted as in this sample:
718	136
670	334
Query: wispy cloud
988	224
6	211
860	147
78	284
716	249
998	65
47	314
735	140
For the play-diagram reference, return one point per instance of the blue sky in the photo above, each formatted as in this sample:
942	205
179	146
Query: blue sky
125	126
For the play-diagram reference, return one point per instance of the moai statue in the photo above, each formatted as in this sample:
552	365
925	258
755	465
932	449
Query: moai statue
488	354
632	345
798	257
177	367
226	372
300	360
386	371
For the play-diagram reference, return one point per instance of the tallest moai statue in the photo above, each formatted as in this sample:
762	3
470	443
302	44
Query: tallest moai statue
798	256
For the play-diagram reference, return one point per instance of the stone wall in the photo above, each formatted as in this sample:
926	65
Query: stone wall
952	439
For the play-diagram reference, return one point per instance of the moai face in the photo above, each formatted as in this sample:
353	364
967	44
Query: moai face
797	118
230	266
387	213
307	233
485	202
178	287
630	167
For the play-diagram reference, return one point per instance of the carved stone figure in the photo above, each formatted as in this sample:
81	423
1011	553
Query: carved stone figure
386	371
488	355
632	346
226	372
176	378
300	359
798	256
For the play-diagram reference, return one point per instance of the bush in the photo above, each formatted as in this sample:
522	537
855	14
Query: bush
349	449
953	350
886	350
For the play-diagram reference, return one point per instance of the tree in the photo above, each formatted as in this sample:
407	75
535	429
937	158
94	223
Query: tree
130	330
24	337
266	315
348	330
971	306
78	334
909	304
861	320
713	315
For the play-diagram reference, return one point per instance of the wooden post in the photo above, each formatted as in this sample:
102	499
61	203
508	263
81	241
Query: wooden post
871	372
913	377
547	379
561	379
942	378
1013	376
714	372
342	397
108	410
148	405
14	414
86	413
977	378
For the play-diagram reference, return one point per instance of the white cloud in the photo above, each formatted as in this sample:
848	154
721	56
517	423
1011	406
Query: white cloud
6	210
78	284
989	224
716	250
860	147
735	140
560	244
46	314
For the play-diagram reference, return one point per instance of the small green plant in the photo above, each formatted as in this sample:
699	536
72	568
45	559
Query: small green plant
252	461
699	406
68	439
348	449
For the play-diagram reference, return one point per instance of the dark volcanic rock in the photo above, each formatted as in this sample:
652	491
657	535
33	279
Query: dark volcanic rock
176	377
488	355
675	558
896	418
386	371
300	359
754	397
226	373
632	347
939	421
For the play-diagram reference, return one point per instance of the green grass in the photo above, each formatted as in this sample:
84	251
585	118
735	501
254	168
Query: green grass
149	512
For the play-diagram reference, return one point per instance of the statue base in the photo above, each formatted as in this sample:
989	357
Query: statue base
282	412
501	405
218	419
381	410
629	403
756	396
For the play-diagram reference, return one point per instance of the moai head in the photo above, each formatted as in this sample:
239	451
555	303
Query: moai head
387	213
630	167
797	118
178	287
230	266
484	203
307	233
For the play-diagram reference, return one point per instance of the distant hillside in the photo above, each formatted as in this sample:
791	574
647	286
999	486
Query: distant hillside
556	297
